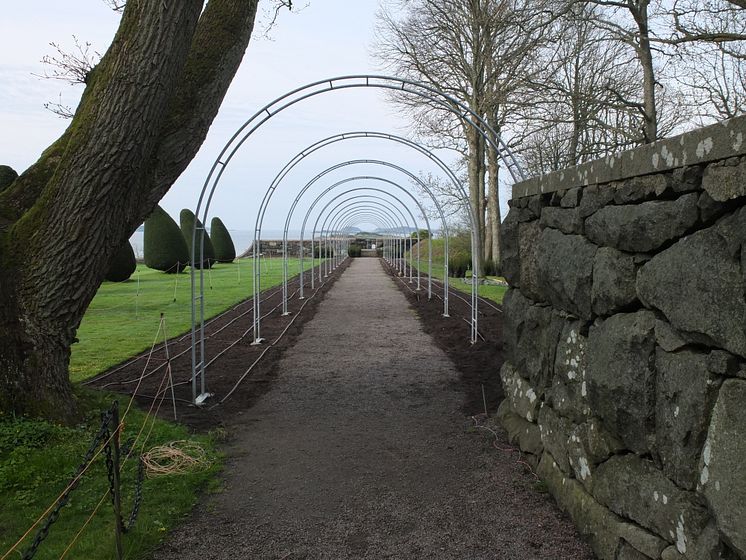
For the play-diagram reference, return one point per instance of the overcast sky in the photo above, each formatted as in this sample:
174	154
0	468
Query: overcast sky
325	39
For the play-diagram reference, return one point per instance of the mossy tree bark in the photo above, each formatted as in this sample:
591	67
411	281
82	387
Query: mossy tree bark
143	116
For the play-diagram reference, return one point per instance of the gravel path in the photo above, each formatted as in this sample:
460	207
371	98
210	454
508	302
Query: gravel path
359	450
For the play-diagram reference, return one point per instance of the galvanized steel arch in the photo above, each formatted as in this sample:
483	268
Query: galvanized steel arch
245	131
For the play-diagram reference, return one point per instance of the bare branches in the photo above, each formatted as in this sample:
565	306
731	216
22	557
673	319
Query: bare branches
116	5
271	15
60	109
71	66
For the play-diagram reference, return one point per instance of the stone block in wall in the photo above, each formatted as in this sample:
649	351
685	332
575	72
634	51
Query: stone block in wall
521	397
568	400
667	337
528	244
509	254
633	488
621	377
519	235
571	199
725	180
568	391
641	540
698	284
594	198
588	446
531	333
685	394
593	521
626	551
642	188
520	431
555	434
567	220
614	281
723	470
687	179
645	227
565	271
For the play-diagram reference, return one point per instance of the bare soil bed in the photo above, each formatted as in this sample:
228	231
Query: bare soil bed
147	373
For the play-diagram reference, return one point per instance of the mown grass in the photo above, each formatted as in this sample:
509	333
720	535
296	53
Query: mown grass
123	318
38	458
489	291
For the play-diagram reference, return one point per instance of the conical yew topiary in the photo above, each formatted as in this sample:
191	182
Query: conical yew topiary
187	219
7	176
164	247
225	250
122	264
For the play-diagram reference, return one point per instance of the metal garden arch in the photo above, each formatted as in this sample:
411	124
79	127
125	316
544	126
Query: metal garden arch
245	131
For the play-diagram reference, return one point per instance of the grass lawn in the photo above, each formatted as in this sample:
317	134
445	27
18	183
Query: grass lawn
38	458
129	312
488	291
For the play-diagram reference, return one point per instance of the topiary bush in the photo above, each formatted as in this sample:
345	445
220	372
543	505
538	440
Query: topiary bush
122	264
225	250
458	264
7	176
489	268
164	247
187	219
354	251
322	252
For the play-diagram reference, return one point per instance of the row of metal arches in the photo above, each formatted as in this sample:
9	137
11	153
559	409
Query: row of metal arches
389	213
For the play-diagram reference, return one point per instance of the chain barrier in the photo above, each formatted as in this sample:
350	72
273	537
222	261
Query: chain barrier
108	436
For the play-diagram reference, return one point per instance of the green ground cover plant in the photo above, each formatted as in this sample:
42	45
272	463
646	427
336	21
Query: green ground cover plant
37	459
123	318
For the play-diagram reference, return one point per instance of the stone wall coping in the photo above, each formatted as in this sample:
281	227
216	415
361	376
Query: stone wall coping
711	143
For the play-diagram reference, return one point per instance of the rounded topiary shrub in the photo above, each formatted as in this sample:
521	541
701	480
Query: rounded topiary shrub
122	264
7	176
322	252
489	268
354	251
458	264
225	250
187	219
164	247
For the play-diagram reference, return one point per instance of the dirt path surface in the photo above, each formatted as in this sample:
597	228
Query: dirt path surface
359	449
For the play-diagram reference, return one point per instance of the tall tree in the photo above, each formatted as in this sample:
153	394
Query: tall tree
629	22
145	112
477	52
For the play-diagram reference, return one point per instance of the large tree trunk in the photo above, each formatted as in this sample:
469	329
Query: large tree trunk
645	55
143	116
493	197
476	191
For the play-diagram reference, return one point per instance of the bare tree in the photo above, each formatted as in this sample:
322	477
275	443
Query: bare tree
144	113
477	51
572	112
628	21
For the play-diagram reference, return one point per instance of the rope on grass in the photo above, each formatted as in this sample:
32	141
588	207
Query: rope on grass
176	457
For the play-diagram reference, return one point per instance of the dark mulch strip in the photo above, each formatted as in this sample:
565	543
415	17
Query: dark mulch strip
225	372
479	364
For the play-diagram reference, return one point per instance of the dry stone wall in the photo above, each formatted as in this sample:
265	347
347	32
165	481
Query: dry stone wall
625	343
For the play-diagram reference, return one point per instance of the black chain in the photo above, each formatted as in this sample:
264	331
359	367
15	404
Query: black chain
125	450
101	435
138	494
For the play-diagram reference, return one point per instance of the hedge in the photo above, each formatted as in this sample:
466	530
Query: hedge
164	247
187	219
225	250
122	264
